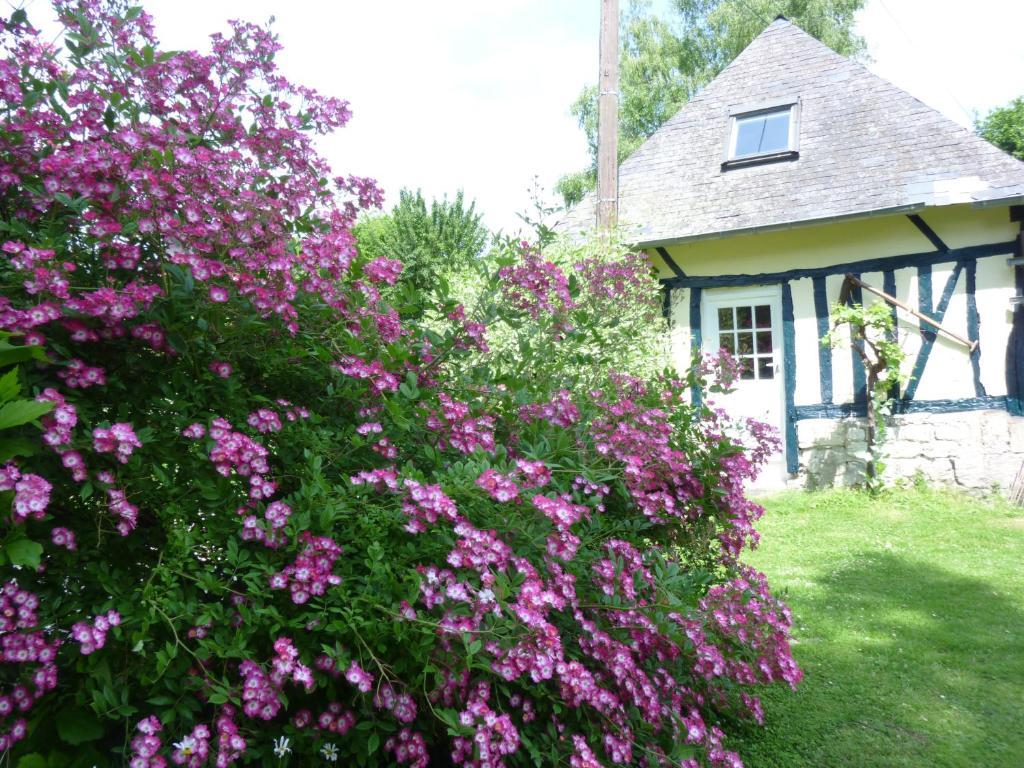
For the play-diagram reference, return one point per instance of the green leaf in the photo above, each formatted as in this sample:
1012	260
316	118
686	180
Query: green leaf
10	354
23	411
34	760
372	742
77	725
9	387
24	552
16	446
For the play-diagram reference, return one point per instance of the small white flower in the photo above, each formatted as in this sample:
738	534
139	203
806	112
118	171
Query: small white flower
187	746
281	747
330	752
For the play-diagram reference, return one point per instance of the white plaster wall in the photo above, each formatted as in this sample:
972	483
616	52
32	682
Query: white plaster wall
994	289
805	327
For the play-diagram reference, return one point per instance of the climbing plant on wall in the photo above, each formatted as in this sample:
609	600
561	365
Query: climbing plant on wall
871	332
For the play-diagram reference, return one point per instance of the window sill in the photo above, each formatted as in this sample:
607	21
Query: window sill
774	157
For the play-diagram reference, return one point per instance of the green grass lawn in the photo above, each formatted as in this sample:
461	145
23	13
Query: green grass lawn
909	626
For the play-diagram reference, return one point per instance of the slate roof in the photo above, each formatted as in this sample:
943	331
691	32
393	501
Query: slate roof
865	146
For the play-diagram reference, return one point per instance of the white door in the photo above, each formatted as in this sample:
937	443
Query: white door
748	323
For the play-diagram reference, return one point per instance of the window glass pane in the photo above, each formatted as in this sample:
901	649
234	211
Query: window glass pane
765	369
776	132
748	367
744	317
763	314
764	342
725	318
745	344
749	133
727	342
763	133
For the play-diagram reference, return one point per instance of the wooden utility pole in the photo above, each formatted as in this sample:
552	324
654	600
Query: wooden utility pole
608	118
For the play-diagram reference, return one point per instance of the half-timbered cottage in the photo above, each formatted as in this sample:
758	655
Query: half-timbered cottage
794	168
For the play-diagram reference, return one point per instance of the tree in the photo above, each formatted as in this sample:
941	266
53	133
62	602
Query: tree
664	63
430	242
1004	127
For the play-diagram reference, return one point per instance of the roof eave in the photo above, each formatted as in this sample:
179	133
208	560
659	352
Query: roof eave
890	211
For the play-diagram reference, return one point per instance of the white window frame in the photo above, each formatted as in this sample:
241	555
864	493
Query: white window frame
792	150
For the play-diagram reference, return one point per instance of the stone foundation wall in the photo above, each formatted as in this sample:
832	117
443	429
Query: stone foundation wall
975	450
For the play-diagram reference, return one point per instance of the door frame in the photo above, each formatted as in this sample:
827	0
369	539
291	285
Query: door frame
713	298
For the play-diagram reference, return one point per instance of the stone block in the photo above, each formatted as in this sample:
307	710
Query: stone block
918	433
901	449
940	449
1015	429
821	433
856	435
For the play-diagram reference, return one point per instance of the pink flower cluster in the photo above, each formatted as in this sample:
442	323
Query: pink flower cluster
499	487
560	411
658	475
624	280
31	493
425	504
272	535
473	335
221	368
119	439
127	514
63	537
78	375
312	572
383	270
335	719
379	479
496	736
535	286
628	580
381	380
531	474
359	677
260	697
194	749
146	745
408	746
22	645
402	706
92	637
459	429
236	451
264	420
286	665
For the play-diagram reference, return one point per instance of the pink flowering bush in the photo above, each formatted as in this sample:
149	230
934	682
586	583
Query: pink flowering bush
254	513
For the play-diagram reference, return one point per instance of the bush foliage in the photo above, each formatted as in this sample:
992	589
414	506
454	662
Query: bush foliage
256	514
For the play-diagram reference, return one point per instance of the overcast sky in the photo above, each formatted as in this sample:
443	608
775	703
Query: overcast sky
475	95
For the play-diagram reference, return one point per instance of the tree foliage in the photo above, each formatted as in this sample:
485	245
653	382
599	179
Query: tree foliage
1004	127
432	241
663	63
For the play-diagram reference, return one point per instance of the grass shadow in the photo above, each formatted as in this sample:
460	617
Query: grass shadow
906	664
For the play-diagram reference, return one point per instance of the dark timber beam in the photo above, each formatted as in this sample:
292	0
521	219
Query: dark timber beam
676	269
928	232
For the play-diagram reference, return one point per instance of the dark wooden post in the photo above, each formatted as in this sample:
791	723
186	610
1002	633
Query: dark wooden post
608	118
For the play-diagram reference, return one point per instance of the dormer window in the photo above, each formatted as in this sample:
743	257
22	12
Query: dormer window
762	134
